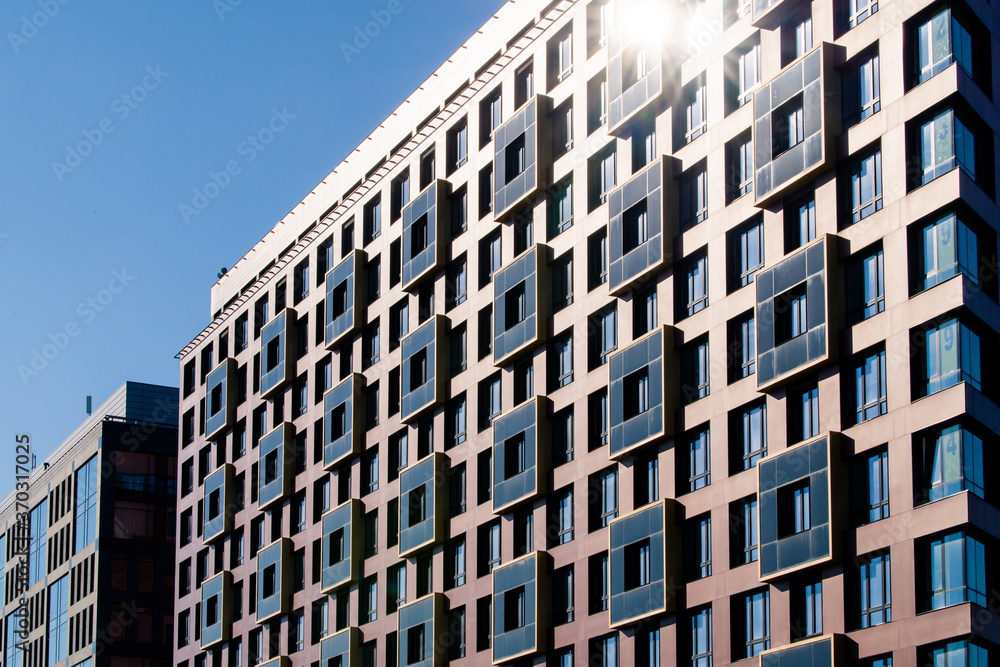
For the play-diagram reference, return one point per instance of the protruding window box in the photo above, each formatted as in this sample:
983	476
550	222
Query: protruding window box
521	608
276	341
423	505
345	298
343	648
274	580
521	157
520	464
796	118
220	503
342	545
823	651
280	661
220	399
420	623
342	417
422	377
520	311
425	232
643	226
799	312
800	525
216	610
643	564
635	75
641	409
275	466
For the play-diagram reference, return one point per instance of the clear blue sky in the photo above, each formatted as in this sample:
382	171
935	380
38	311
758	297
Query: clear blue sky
92	241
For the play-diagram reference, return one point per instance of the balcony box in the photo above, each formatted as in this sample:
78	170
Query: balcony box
276	466
640	403
809	86
520	461
344	298
220	503
220	399
280	661
520	305
799	523
643	226
522	155
633	88
342	418
277	366
825	651
216	610
522	582
343	649
421	625
643	563
423	505
342	545
787	347
425	234
274	580
424	369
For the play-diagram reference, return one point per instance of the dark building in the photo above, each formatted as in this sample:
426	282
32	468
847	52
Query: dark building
89	541
642	333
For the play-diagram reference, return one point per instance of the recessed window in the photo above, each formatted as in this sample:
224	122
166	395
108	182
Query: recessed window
417	505
875	594
869	387
269	581
940	41
418	236
637	564
790	319
945	143
515	159
418	369
859	10
949	460
514	451
513	609
598	99
636	393
739	167
864	174
862	89
524	84
458	145
794	509
694	196
787	126
270	467
695	109
515	306
635	222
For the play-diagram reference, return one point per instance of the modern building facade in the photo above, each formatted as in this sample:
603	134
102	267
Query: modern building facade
88	540
642	333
